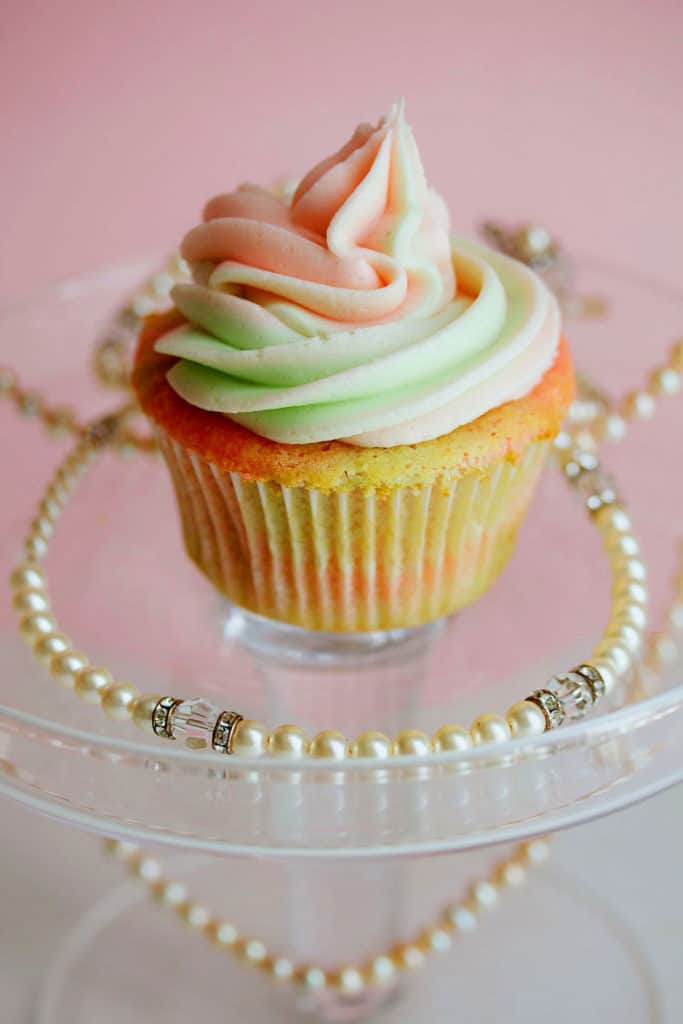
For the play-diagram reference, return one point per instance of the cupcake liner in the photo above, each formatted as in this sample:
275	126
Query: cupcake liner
351	560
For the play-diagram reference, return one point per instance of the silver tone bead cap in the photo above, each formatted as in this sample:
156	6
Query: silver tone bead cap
550	705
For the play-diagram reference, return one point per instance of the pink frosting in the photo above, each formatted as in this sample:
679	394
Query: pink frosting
344	248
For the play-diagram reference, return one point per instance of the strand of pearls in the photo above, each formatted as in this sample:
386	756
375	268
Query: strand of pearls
454	920
566	696
594	417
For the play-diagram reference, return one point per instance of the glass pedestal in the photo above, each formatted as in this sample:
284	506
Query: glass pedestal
347	854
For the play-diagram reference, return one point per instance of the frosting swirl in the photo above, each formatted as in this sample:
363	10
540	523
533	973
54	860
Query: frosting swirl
347	312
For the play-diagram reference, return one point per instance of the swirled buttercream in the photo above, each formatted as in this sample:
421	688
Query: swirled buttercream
348	312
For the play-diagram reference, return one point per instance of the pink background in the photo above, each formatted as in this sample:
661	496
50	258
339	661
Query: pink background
120	119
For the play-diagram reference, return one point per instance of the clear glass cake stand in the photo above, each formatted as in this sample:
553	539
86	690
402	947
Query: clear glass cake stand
331	866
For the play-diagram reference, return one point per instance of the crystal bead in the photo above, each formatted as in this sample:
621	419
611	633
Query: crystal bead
193	721
574	693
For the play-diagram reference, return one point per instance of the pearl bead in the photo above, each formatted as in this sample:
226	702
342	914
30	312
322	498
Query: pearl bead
408	956
35	547
66	665
461	917
43	526
437	940
613	517
250	739
631	614
287	741
57	493
117	700
282	969
329	744
676	356
194	915
639	405
222	934
675	617
371	744
36	624
142	709
252	950
631	590
349	980
148	869
484	893
411	742
615	653
26	601
623	544
612	426
627	635
382	970
30	403
510	874
50	508
665	381
90	682
170	894
489	729
451	737
607	671
525	719
631	569
536	851
314	978
49	644
27	577
664	649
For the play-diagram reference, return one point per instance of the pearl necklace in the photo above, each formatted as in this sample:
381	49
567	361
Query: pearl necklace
566	696
456	919
571	694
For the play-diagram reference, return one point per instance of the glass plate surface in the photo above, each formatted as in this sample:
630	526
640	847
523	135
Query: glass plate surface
127	595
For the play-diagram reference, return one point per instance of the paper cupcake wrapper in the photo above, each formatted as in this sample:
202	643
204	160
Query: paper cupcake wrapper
355	559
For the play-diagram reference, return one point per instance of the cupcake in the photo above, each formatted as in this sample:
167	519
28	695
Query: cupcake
354	405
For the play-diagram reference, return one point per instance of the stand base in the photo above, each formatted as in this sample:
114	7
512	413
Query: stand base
502	972
288	644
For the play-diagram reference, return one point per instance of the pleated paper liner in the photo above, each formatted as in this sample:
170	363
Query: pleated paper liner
353	559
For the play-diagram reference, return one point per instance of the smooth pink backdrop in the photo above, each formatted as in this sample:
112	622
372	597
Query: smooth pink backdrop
120	119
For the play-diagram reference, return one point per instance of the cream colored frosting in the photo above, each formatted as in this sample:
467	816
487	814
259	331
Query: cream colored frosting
348	312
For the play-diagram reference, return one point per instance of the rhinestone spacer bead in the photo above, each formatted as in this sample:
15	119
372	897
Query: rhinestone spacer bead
103	431
162	716
598	489
574	693
224	731
594	679
551	707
